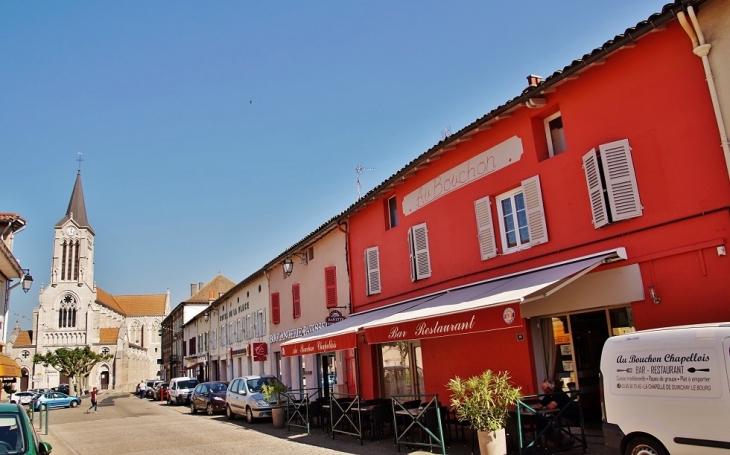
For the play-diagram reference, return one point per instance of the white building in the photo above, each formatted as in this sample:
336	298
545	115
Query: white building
74	312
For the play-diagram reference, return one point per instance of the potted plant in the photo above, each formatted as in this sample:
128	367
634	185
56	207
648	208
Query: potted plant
275	394
484	401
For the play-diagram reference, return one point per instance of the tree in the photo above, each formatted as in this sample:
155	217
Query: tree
75	363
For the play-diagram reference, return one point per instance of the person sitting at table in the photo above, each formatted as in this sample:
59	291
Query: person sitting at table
553	399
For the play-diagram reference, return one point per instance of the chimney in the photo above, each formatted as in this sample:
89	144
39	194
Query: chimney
193	289
200	286
533	80
211	295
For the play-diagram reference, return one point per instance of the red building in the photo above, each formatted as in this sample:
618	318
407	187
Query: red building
594	203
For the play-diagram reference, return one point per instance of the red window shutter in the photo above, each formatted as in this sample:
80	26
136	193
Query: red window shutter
275	308
330	283
295	300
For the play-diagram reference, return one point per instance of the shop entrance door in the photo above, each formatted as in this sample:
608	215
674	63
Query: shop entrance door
327	374
590	332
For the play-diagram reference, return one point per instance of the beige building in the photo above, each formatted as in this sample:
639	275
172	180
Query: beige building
74	312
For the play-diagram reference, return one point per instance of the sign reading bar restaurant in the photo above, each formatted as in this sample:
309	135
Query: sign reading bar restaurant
480	320
487	162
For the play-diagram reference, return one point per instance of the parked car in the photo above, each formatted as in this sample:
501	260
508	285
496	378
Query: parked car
22	397
54	400
63	388
245	397
151	387
160	388
210	396
180	390
16	433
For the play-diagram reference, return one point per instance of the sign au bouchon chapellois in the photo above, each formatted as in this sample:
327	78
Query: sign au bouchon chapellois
669	373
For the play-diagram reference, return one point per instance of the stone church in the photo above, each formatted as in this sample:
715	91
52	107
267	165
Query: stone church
74	312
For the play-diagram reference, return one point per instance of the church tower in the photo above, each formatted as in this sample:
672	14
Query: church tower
73	244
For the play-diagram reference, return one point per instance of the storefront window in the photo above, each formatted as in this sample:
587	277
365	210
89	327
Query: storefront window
622	321
401	371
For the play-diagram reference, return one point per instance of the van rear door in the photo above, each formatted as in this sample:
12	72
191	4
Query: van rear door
726	357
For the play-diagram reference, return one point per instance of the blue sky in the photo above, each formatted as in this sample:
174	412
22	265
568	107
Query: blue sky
216	134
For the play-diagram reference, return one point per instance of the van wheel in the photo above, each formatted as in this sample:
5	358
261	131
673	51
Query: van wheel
645	445
230	414
249	415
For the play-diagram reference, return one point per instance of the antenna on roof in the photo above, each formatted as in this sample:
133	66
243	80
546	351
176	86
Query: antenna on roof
446	132
359	170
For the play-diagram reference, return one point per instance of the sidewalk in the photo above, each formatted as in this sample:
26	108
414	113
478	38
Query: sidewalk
126	424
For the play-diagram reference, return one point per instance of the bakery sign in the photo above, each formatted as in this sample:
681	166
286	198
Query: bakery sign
481	320
334	317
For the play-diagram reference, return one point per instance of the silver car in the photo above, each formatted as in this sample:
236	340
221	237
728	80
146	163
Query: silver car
245	397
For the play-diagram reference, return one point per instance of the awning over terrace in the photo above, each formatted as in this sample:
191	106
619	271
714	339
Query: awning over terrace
342	335
490	305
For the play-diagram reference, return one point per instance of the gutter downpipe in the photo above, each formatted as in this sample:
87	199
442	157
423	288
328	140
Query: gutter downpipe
702	49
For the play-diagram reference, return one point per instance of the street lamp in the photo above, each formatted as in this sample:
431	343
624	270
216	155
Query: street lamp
288	264
27	280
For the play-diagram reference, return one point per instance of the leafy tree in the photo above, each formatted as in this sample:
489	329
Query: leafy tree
75	363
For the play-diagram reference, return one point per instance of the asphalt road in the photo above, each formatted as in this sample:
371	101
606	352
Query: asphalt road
129	425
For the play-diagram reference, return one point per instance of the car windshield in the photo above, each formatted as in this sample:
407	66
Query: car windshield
190	384
11	437
255	385
217	387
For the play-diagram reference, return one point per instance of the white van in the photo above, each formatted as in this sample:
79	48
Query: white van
667	391
180	390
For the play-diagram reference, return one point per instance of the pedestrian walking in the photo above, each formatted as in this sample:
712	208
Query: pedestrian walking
93	401
142	389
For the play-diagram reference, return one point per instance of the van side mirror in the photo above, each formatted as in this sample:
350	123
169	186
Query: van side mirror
44	448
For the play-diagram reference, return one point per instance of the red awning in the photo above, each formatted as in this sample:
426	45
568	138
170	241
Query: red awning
193	366
342	335
492	305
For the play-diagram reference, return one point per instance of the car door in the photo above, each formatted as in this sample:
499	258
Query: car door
234	396
199	396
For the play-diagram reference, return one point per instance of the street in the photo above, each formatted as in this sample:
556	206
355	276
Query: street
126	424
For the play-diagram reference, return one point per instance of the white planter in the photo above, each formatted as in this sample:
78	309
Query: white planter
492	442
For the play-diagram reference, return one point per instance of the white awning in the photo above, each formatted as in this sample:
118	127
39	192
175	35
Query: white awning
458	311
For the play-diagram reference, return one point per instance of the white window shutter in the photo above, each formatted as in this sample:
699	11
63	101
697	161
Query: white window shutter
534	210
595	189
485	228
421	263
372	266
618	169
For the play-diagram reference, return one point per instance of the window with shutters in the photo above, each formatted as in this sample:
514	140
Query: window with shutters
330	284
555	134
275	308
261	316
372	270
485	228
418	246
249	327
611	180
521	216
296	303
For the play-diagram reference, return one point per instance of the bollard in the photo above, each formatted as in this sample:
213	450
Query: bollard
40	416
46	433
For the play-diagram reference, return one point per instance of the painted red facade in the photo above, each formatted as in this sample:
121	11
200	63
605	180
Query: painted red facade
654	95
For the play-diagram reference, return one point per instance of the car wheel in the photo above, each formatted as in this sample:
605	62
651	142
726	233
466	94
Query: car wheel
43	407
192	408
209	409
74	404
249	415
644	445
230	414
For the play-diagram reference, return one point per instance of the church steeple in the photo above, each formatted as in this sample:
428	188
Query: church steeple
76	207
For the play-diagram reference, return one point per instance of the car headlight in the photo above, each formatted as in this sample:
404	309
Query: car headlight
218	399
262	404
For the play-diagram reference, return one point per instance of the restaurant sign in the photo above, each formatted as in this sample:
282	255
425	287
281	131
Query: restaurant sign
325	344
481	320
